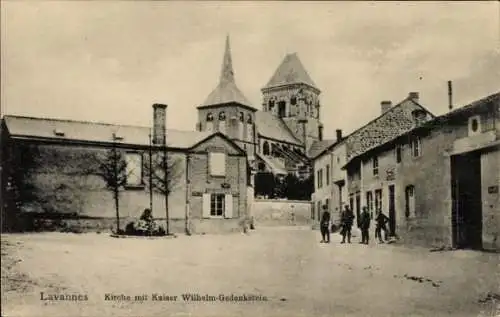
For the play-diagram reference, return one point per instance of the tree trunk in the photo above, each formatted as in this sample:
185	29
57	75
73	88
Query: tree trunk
117	207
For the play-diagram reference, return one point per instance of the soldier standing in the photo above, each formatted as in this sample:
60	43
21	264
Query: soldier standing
324	223
381	220
365	226
346	219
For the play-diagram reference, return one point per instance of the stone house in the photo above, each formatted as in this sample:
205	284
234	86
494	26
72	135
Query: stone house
368	182
438	181
329	156
208	191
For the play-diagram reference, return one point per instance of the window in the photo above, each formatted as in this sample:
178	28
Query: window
375	165
242	117
222	116
293	100
398	153
265	148
378	199
416	149
217	205
327	175
271	104
217	164
474	125
327	203
318	210
134	168
210	117
369	201
320	178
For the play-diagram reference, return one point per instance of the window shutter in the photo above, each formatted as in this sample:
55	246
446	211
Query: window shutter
228	208
206	205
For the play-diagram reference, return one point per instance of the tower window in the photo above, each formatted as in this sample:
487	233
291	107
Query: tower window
210	117
265	148
293	100
249	119
282	109
271	104
242	117
222	116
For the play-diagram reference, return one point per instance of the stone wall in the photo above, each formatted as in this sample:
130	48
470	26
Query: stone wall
268	212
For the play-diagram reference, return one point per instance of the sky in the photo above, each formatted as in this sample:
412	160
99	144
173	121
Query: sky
110	61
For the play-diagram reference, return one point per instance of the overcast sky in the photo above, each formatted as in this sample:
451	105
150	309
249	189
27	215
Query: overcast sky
110	61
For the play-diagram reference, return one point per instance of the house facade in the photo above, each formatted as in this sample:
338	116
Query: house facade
56	161
438	181
328	158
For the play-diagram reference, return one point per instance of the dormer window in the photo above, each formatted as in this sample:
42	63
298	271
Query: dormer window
474	125
58	132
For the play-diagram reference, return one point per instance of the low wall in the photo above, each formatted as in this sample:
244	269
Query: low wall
273	212
178	226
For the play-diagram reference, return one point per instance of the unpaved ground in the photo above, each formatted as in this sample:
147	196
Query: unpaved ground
298	275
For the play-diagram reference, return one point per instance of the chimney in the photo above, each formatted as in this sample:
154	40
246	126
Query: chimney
159	123
339	134
320	132
450	95
385	105
414	96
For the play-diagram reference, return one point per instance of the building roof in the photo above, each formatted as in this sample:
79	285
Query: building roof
275	165
290	71
473	106
226	91
388	126
29	127
270	126
318	147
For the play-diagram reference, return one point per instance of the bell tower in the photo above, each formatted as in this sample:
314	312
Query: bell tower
292	96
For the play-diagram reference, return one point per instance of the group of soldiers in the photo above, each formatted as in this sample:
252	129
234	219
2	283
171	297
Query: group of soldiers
346	222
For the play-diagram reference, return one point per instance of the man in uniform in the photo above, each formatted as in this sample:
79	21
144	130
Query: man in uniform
346	219
364	225
381	220
324	223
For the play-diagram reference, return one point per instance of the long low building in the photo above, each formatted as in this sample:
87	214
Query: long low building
49	168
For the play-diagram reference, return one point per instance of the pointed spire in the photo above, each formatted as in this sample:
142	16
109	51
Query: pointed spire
227	73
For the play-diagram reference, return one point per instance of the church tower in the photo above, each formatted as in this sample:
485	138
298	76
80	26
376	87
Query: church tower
227	110
292	96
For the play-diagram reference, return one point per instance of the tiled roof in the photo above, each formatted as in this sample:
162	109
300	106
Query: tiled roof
226	91
96	132
473	105
319	146
396	121
274	164
268	125
290	71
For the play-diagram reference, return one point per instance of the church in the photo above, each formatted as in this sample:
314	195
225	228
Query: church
278	137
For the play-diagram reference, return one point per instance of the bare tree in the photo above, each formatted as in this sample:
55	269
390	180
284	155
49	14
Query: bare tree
113	170
164	177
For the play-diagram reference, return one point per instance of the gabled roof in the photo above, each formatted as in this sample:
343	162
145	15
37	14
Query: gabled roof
29	127
396	121
473	106
317	147
290	71
226	91
268	125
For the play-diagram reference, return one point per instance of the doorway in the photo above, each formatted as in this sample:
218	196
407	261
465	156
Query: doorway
409	201
392	211
358	207
466	201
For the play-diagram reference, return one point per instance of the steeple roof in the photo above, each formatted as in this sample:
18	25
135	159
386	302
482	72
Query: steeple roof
290	71
226	91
